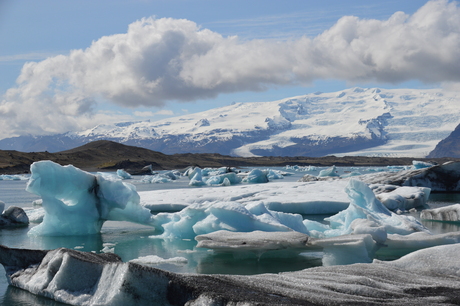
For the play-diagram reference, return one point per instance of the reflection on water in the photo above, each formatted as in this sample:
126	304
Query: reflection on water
19	297
225	263
441	227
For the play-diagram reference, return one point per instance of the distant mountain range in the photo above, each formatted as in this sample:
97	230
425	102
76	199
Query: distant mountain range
368	122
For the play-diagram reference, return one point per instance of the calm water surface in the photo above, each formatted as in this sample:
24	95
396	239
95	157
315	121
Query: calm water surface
131	241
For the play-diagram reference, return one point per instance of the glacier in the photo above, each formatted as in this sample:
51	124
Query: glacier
355	121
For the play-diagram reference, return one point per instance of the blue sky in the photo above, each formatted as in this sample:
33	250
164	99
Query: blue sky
224	51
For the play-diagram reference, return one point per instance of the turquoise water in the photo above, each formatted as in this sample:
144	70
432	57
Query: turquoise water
131	241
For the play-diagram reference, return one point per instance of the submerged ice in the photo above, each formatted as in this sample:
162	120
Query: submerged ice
78	203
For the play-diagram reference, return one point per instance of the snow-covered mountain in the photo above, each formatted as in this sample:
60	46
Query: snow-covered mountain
375	122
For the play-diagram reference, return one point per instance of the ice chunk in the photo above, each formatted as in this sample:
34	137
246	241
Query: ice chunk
256	242
364	205
78	203
345	250
449	213
416	164
225	179
404	244
274	174
329	172
256	176
442	178
156	179
196	178
405	198
156	260
123	174
13	177
208	217
13	216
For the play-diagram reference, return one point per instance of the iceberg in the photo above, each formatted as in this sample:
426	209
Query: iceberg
78	203
123	174
367	214
157	260
208	217
13	177
449	213
156	179
403	198
12	216
256	176
257	241
440	178
329	172
416	164
426	277
225	179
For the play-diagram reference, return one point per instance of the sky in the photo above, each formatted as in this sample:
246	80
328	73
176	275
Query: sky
70	65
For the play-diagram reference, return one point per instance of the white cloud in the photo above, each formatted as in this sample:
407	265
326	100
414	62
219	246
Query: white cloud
160	60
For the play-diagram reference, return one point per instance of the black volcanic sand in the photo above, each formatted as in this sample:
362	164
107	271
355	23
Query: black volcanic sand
107	155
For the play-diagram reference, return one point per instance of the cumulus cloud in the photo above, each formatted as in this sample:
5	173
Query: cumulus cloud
160	60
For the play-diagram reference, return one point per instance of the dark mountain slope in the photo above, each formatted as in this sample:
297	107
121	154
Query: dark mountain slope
448	147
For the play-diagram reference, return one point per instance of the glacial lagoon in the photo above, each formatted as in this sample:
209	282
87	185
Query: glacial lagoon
131	241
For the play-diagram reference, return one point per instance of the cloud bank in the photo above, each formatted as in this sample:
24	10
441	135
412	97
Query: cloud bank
160	60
